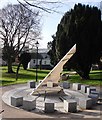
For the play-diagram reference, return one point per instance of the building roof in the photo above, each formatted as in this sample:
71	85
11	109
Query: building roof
43	50
42	54
34	56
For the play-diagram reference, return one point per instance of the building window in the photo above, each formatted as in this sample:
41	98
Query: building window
44	62
33	61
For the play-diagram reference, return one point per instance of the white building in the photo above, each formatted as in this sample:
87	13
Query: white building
44	61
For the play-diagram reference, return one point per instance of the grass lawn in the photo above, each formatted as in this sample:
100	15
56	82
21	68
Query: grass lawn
95	79
26	75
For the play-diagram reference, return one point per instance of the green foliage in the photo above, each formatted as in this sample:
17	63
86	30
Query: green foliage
25	59
52	49
81	25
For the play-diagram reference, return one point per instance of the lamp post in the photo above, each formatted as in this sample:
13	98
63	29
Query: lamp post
37	44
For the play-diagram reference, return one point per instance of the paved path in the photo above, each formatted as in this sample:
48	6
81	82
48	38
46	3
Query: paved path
11	112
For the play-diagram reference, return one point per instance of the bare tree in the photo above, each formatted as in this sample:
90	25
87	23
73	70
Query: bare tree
48	6
18	26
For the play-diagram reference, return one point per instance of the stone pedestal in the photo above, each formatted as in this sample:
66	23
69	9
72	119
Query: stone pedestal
29	104
95	93
90	89
49	84
66	85
31	84
49	107
76	86
16	101
85	103
70	105
84	88
94	98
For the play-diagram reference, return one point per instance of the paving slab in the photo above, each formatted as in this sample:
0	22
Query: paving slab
12	112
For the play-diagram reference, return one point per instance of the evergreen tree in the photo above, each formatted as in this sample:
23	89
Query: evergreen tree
81	25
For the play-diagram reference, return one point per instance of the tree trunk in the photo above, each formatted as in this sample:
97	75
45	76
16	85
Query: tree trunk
85	76
84	73
18	71
10	70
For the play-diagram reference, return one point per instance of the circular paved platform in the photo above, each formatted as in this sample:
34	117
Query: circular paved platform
12	112
26	92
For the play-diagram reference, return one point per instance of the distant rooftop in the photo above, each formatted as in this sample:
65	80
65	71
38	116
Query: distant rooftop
42	50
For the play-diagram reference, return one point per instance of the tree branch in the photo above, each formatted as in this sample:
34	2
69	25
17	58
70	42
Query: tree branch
39	7
26	7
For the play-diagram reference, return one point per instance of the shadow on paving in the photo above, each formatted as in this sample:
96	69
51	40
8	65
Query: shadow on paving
50	119
79	115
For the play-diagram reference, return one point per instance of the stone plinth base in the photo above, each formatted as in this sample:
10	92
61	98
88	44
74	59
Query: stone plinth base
76	86
49	107
29	104
70	105
90	89
31	84
84	88
16	101
85	103
66	85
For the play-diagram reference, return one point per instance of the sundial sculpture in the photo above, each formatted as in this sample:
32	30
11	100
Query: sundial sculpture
54	75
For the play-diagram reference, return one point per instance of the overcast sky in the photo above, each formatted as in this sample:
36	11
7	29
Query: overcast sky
50	21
